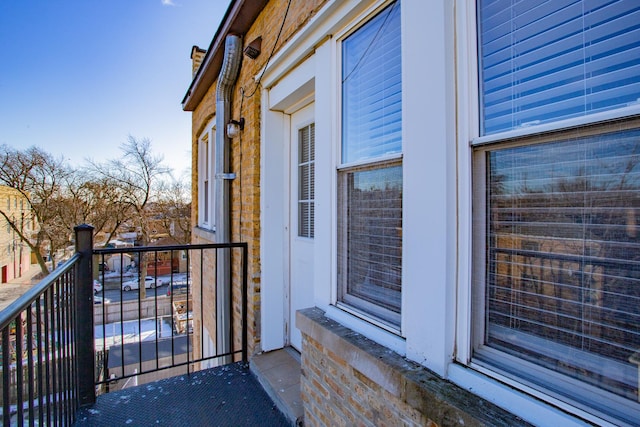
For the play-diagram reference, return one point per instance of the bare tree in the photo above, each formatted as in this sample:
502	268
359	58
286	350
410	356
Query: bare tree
95	200
38	177
135	177
173	209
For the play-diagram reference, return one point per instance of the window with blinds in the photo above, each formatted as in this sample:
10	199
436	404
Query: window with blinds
558	214
563	258
306	180
370	254
370	194
543	61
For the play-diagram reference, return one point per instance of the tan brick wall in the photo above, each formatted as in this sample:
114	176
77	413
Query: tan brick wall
349	380
245	150
335	393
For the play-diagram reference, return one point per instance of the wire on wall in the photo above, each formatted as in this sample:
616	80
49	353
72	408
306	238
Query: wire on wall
273	50
242	98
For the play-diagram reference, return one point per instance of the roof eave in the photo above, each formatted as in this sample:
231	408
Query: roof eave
238	18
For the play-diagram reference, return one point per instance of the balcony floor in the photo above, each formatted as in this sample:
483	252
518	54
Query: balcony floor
223	396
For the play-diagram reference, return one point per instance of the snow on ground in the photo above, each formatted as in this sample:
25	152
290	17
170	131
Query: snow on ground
131	331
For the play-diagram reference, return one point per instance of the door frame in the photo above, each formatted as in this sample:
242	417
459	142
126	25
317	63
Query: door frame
279	101
304	290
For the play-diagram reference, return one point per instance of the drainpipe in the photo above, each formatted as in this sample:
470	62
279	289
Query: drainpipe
223	176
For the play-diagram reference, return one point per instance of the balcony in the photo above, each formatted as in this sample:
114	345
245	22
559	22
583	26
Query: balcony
136	356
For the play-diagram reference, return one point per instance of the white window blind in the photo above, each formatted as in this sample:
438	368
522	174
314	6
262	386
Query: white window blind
563	264
372	88
306	181
543	60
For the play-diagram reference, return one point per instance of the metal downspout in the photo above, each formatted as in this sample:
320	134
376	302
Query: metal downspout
226	82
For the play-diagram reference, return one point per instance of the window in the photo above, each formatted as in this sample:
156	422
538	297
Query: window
306	180
206	145
370	174
557	224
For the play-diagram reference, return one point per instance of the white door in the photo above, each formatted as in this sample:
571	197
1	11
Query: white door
301	218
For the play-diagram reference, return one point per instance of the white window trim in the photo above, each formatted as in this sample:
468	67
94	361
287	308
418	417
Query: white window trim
576	122
208	135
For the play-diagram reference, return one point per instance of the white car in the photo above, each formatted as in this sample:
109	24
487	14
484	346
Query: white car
97	286
97	299
149	282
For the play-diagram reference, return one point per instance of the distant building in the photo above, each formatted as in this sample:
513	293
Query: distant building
15	254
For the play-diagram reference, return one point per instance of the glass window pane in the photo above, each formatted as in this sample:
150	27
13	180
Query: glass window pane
563	262
372	89
370	232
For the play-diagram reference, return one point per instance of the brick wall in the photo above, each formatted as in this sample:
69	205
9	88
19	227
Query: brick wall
349	380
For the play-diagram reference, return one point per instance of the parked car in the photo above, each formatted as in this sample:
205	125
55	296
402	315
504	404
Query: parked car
149	282
97	299
97	286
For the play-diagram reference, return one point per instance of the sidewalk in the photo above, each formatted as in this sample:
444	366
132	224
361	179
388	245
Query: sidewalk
14	289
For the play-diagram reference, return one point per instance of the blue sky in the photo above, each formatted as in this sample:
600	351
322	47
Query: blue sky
77	77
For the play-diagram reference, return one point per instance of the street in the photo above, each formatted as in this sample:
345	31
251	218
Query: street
113	288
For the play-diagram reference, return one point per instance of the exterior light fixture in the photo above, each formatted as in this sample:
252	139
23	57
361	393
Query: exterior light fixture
234	127
254	48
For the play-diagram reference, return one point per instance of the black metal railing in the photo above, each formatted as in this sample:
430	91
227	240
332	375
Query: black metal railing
140	333
86	329
39	351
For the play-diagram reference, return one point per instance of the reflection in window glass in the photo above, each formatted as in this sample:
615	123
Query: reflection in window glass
563	264
371	258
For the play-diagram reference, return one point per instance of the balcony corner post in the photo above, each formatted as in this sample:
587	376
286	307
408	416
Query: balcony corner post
84	316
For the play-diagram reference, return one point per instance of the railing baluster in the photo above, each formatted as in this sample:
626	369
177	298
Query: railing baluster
68	329
38	303
48	303
55	354
30	376
140	279
245	293
6	377
19	370
155	298
201	300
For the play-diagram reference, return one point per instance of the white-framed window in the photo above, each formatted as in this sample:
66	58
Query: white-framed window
306	180
556	198
206	148
369	177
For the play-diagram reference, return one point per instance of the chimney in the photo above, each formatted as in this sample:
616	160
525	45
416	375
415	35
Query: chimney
197	55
